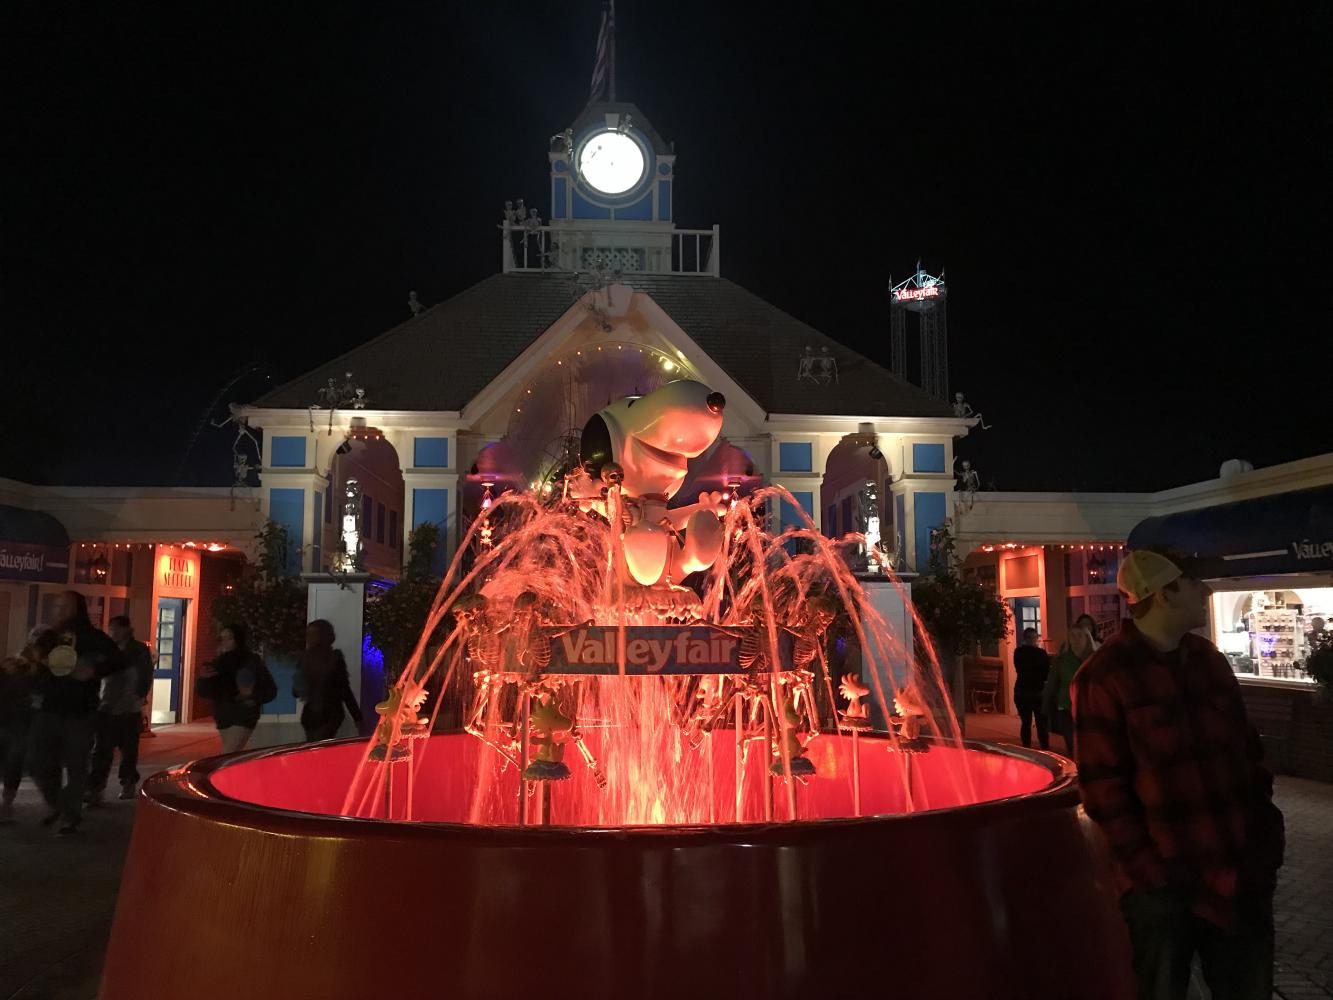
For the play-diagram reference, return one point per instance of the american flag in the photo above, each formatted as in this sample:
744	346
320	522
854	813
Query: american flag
601	70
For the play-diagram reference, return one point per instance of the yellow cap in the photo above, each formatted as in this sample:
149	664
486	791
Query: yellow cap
1145	572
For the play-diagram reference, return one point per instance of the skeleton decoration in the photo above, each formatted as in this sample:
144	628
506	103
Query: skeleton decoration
962	408
599	277
826	367
626	123
820	369
349	549
563	143
968	484
240	461
806	370
336	397
509	212
872	549
415	304
240	470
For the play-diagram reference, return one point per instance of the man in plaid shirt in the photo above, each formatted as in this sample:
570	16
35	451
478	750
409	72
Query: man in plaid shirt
1169	769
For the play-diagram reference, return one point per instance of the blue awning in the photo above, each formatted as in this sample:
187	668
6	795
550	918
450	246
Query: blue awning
1284	533
34	547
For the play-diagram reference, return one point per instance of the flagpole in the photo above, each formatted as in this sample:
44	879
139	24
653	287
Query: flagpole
612	40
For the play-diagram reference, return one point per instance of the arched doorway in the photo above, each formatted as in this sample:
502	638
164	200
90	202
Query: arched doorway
855	496
372	463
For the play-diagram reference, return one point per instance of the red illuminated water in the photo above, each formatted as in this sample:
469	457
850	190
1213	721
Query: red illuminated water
626	749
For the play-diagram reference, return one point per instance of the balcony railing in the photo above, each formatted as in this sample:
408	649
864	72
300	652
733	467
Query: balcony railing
534	249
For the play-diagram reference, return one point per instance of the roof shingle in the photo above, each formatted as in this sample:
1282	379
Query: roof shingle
477	333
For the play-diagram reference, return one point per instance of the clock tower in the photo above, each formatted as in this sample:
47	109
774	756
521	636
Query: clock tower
612	180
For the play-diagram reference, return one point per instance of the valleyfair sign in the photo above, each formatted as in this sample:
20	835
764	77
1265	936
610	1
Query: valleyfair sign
33	563
654	649
914	294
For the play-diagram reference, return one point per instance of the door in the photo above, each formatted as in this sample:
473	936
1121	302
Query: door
170	645
1027	614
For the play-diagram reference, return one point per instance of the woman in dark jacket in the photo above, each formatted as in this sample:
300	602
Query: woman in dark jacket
322	682
238	684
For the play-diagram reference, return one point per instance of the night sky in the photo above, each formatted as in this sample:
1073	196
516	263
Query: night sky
1132	205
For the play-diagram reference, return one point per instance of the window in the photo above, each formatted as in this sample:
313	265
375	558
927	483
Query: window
1092	567
927	457
395	536
367	525
1027	614
379	523
1272	633
795	456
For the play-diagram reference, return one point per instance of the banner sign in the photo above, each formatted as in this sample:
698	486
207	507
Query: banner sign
916	294
649	650
34	563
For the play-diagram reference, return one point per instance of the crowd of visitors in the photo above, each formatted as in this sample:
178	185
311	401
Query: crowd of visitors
1042	683
73	699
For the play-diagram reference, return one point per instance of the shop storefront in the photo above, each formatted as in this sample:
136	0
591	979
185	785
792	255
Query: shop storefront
1270	611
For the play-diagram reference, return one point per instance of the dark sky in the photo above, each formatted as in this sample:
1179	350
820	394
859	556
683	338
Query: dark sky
1132	203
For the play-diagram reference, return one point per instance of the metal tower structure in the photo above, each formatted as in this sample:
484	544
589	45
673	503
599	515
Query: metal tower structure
924	295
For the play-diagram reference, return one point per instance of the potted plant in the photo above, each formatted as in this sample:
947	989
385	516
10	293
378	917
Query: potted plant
395	617
959	615
271	602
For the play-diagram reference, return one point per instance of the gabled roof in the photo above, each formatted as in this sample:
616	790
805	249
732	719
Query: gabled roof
441	359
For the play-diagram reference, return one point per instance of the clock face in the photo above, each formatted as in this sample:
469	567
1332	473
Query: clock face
611	163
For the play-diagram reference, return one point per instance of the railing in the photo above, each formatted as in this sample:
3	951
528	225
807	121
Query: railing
535	249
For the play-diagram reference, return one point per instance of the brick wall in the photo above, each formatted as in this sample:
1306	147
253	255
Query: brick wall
1296	729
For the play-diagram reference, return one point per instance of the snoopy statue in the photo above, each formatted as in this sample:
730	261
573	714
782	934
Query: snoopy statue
634	457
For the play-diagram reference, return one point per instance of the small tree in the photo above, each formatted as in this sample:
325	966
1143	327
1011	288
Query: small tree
267	599
960	615
1320	665
396	617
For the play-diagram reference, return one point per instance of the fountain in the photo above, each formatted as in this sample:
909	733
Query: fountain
657	790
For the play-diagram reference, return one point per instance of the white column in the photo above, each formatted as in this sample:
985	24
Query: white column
341	601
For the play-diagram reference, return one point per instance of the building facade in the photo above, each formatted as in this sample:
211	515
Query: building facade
158	556
489	390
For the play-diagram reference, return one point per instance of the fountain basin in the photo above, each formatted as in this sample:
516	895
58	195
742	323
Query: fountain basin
239	883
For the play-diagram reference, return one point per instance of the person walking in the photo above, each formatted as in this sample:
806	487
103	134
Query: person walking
118	719
75	657
238	684
1055	698
1032	664
17	688
1169	768
322	682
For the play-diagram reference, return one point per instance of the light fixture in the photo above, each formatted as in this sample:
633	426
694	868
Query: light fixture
100	568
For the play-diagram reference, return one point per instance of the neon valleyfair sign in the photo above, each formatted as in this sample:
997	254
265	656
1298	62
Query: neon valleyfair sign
914	294
649	650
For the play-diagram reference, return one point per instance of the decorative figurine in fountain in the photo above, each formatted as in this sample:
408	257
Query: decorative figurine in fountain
857	714
576	614
635	455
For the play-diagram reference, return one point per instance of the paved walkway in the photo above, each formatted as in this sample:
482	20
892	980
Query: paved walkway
57	895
